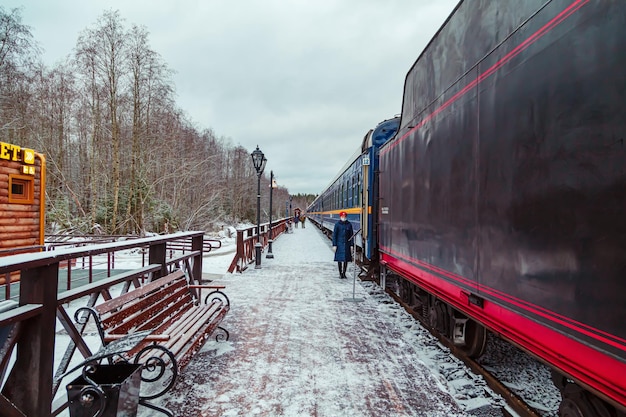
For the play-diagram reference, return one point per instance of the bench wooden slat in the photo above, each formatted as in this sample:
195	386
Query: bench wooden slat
150	337
181	328
191	328
208	287
172	312
185	356
178	334
131	295
69	295
188	327
169	308
140	312
177	322
171	327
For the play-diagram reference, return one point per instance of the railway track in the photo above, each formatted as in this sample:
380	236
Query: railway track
516	406
513	406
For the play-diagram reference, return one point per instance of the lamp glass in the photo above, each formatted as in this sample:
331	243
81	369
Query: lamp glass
258	160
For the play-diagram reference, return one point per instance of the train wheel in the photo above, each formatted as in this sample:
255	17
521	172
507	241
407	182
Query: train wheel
469	336
578	403
438	317
475	339
559	381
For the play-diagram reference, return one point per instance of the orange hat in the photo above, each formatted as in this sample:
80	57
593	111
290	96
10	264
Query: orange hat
343	214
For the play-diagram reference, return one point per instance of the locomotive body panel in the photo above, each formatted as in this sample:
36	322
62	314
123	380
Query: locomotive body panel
506	180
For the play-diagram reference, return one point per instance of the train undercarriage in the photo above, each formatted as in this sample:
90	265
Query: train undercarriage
466	334
470	338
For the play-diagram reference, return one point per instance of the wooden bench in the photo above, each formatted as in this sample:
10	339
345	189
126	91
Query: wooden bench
169	311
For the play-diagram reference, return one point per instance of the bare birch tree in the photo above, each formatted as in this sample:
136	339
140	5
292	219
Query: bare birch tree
122	156
101	51
150	86
18	51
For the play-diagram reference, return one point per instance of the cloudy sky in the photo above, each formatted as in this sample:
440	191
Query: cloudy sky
303	79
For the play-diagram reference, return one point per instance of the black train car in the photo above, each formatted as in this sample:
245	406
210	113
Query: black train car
503	195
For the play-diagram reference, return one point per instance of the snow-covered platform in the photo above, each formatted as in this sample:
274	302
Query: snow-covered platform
300	347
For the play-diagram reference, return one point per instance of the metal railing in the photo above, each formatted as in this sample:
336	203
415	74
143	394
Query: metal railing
247	238
32	374
88	269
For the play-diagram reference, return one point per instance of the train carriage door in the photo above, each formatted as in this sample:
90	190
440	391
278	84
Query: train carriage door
365	198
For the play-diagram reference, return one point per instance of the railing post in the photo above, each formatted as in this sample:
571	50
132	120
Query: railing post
29	385
157	255
197	243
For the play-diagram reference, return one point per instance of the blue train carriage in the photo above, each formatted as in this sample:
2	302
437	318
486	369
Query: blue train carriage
354	190
343	194
372	142
503	193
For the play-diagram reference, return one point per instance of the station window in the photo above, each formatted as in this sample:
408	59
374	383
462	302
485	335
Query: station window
21	189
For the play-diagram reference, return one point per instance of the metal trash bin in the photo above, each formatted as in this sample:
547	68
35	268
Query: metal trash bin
105	391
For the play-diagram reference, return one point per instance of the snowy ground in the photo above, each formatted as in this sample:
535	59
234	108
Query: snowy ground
299	346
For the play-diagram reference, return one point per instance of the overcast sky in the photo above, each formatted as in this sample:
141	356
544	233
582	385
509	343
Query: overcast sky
303	79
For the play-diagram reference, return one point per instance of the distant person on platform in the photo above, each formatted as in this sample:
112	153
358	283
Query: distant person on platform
296	217
342	243
302	219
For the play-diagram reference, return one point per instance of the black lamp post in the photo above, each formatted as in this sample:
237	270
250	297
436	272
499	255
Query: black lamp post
290	216
258	159
273	185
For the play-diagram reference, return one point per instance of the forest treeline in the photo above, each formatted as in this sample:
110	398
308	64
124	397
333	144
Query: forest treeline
121	156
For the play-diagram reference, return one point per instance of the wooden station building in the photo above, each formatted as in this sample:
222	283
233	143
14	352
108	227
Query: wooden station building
22	200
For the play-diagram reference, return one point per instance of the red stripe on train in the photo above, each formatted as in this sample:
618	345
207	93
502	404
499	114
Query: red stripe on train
598	371
582	328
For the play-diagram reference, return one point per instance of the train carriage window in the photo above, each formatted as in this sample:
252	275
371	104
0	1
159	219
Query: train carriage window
342	197
339	196
338	201
349	193
359	190
21	189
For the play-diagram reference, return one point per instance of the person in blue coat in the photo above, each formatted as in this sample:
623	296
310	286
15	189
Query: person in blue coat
342	243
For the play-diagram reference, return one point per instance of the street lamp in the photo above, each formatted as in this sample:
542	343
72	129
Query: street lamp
258	160
273	185
290	216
